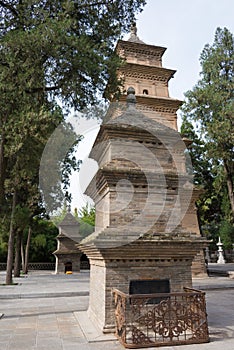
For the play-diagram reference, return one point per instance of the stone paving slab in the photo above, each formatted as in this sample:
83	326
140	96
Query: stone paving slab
61	323
45	284
90	331
41	323
43	295
221	267
213	283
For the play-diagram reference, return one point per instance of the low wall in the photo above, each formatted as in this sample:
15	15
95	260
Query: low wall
84	265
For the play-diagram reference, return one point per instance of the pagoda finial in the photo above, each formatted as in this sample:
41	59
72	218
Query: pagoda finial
134	29
69	208
131	98
133	35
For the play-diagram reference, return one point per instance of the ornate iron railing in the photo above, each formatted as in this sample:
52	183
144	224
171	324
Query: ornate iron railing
151	320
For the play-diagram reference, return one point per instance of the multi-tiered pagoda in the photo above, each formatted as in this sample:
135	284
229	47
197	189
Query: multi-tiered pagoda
146	225
143	70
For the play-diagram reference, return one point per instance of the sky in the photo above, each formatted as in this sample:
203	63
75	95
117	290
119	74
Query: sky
184	27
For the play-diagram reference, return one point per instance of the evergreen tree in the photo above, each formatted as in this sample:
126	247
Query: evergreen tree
50	51
208	119
213	204
211	106
86	218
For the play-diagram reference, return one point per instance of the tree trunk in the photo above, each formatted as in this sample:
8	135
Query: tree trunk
10	253
27	251
230	193
2	170
17	263
22	254
230	187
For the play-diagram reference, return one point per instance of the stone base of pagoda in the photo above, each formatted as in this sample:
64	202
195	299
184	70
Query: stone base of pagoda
199	268
67	262
115	268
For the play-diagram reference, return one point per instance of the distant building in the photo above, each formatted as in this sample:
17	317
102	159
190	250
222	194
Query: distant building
67	254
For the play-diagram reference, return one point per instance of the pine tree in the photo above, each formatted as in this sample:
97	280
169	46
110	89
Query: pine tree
211	106
50	51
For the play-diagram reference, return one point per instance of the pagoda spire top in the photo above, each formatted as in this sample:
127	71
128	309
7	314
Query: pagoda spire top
131	98
133	35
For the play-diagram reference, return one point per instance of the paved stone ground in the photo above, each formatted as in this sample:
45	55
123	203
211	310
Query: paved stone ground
40	313
41	323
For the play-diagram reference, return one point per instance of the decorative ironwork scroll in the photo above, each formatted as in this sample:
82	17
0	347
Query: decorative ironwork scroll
176	318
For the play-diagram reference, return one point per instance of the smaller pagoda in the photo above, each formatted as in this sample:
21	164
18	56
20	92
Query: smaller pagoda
67	254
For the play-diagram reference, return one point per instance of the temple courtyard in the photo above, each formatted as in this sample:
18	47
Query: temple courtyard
45	311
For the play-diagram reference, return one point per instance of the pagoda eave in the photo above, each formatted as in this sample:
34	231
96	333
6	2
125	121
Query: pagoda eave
101	245
147	72
65	252
104	179
169	104
140	48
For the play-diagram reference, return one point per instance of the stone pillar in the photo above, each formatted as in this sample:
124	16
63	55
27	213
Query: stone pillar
221	259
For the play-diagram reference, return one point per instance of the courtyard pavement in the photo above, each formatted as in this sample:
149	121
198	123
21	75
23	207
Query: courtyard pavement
48	312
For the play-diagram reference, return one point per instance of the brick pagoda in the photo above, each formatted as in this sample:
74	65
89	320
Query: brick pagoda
67	254
143	70
146	227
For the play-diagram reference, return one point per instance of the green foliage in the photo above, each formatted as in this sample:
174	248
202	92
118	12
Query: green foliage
3	246
60	215
209	203
223	229
208	119
39	241
52	54
43	242
211	102
63	49
86	218
56	165
198	154
4	224
226	233
87	214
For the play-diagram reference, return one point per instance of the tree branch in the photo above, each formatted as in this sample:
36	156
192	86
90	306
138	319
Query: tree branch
47	88
5	64
94	4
